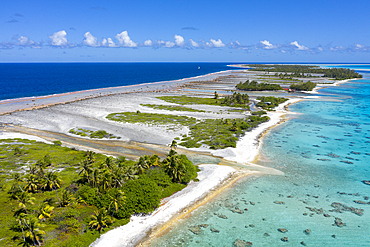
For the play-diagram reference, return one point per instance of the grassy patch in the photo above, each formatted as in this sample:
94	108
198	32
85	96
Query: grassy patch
215	133
151	118
99	134
171	108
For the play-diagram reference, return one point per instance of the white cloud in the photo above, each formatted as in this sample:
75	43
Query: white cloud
267	45
59	39
179	40
298	46
193	43
25	41
90	40
125	40
217	43
169	44
148	42
237	45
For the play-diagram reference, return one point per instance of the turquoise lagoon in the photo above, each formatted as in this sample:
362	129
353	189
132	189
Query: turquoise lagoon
324	151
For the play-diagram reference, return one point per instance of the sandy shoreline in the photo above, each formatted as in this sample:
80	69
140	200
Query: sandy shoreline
215	178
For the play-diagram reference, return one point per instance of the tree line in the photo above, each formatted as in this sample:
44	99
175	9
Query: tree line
115	188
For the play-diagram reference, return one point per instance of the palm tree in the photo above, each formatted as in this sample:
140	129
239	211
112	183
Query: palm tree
19	215
32	170
142	165
117	177
45	211
90	156
174	168
24	199
34	233
154	160
117	200
173	145
130	173
95	177
31	183
100	220
109	163
85	169
66	199
105	181
51	181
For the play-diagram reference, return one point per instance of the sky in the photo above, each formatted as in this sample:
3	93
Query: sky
332	31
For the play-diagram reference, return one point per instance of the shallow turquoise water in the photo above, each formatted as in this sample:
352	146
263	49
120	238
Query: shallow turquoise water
325	154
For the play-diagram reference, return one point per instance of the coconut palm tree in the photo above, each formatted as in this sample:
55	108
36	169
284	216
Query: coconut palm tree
24	199
66	199
34	233
174	168
142	165
105	181
173	145
45	211
31	183
117	177
90	156
95	177
130	173
19	215
117	198
85	169
100	220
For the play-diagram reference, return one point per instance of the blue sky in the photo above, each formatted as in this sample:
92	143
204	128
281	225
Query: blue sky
215	31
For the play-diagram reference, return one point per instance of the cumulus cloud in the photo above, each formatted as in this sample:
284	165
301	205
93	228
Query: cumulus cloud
26	42
108	42
125	40
215	43
148	42
267	45
169	44
298	46
193	43
90	40
179	40
59	39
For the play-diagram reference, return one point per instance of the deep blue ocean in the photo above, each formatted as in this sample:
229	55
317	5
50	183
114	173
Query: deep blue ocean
324	152
18	80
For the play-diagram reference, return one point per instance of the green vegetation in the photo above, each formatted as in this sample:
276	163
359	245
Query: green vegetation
269	103
151	118
305	71
65	197
255	86
236	100
171	108
341	74
211	132
220	133
99	134
307	86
